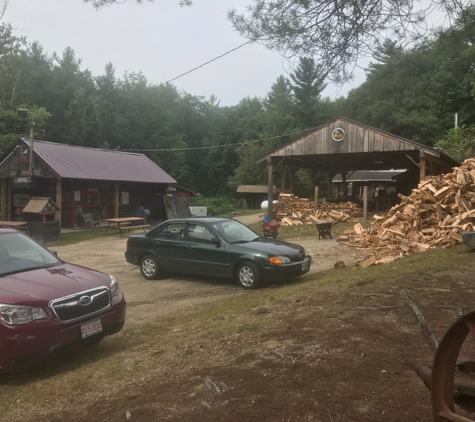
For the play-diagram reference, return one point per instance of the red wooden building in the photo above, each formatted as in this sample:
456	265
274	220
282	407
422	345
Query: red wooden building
81	180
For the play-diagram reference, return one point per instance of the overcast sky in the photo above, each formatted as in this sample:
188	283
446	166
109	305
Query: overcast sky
161	40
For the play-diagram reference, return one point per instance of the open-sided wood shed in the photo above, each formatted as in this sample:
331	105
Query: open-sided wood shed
344	145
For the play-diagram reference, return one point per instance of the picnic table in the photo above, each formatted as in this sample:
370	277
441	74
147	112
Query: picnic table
19	225
125	223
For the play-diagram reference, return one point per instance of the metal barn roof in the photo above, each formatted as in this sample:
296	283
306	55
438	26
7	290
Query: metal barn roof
73	162
370	176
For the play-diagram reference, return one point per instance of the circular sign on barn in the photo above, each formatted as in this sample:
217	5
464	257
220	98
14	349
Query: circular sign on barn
338	134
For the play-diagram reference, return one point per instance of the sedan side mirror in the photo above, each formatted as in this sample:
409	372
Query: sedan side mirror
216	241
55	253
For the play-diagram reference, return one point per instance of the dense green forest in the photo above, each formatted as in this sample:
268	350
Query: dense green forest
209	148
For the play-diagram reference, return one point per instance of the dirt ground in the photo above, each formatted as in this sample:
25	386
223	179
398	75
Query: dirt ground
342	353
176	293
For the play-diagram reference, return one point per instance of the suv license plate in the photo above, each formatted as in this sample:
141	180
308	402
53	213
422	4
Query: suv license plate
305	265
91	327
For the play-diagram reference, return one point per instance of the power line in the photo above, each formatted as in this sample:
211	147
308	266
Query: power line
216	146
204	64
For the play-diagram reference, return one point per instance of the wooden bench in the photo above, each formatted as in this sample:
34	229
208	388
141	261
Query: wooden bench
139	226
124	227
126	223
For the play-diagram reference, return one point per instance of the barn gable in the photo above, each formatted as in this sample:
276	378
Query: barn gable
344	144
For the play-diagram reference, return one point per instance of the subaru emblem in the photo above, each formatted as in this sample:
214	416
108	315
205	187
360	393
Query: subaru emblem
85	300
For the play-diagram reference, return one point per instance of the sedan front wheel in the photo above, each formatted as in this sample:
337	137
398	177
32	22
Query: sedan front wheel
149	267
249	276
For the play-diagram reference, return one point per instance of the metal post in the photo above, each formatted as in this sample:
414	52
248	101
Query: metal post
31	147
270	188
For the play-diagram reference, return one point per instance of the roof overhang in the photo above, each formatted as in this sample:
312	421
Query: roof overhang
364	148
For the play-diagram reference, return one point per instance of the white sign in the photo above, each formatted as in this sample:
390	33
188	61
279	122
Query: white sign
338	134
125	198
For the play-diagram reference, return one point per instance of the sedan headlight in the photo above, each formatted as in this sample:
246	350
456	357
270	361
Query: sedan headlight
15	315
114	286
279	260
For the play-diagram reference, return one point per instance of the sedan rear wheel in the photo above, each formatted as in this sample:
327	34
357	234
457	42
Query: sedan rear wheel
249	275
149	267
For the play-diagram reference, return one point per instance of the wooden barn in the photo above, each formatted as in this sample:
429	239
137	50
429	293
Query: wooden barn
344	145
104	183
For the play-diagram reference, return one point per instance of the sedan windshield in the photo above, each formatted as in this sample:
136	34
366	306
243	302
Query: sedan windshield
233	231
20	253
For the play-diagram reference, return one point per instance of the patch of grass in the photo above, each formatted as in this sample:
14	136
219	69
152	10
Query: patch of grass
266	335
296	347
248	327
76	237
243	357
305	230
250	212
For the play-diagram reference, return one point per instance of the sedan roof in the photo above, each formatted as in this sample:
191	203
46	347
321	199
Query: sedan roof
201	219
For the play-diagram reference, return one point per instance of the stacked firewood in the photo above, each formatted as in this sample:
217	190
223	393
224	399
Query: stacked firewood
291	210
348	207
434	215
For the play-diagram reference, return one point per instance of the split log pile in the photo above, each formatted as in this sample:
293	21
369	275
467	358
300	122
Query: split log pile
347	207
434	215
291	210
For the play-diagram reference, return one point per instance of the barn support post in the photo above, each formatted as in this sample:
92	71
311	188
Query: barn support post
3	200
330	187
292	171
270	187
365	203
316	198
313	173
422	165
116	200
58	201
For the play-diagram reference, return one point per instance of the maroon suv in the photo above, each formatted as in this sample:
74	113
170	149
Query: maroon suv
47	305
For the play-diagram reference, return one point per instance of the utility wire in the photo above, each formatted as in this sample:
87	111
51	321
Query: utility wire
204	64
217	146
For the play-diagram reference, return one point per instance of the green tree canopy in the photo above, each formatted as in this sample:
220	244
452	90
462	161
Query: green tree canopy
308	82
337	33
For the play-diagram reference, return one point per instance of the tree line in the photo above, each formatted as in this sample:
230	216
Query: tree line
412	92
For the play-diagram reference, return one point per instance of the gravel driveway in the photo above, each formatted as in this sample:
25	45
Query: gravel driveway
177	293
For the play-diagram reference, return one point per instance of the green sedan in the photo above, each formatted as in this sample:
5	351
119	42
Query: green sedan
218	247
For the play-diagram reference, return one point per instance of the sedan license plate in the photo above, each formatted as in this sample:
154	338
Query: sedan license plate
91	327
305	265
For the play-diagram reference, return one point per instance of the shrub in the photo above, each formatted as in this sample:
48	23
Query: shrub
220	205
